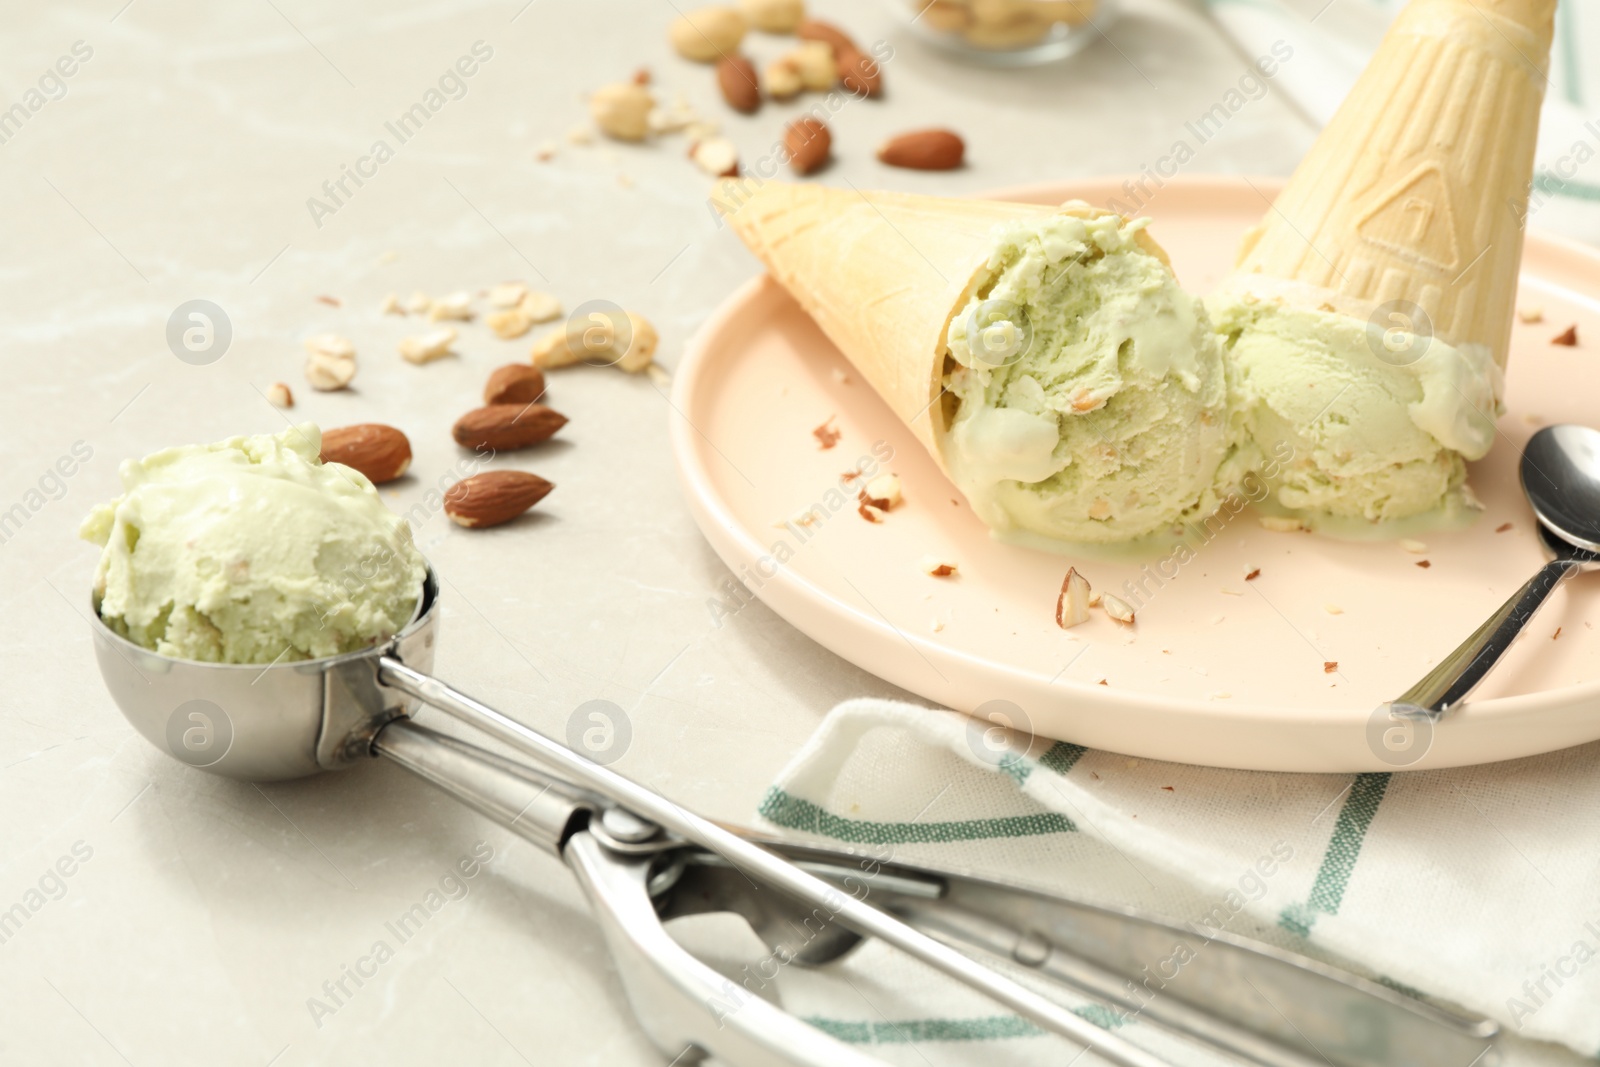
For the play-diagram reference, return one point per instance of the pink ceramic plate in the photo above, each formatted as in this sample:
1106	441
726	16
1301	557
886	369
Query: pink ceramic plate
1279	673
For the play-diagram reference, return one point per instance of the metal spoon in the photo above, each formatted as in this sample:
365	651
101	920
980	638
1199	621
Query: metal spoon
1561	477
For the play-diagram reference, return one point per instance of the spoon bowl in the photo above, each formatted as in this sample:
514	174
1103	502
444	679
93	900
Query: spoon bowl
1561	477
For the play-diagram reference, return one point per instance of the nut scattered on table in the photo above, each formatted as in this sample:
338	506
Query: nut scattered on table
456	307
391	305
827	33
859	73
380	452
622	110
597	343
509	323
783	80
514	383
540	307
774	16
924	150
717	156
279	396
707	34
819	70
809	145
493	497
506	427
736	77
507	294
330	362
428	347
419	302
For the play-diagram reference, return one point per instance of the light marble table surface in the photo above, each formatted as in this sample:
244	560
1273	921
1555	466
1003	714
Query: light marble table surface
201	916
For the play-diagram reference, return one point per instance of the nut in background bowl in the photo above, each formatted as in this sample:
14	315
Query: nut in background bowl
1009	33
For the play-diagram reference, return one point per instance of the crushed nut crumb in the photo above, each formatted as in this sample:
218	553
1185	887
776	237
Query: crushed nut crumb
1567	337
826	435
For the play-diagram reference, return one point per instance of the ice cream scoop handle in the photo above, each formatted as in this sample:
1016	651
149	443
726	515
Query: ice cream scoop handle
1448	684
762	866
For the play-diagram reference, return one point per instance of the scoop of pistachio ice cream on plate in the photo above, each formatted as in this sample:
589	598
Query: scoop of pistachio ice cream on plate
252	550
1091	398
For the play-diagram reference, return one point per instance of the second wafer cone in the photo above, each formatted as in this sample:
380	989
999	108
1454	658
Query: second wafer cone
1416	192
881	273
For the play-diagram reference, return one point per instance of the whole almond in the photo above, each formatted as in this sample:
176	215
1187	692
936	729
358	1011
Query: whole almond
515	383
924	150
808	143
380	452
736	76
860	74
493	497
826	32
504	427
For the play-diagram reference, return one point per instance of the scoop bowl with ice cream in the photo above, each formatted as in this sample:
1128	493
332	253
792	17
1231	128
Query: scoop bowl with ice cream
252	550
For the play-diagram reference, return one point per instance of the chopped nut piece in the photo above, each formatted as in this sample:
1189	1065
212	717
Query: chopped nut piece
1072	606
428	347
840	376
331	301
1568	337
509	324
1557	635
1502	528
278	395
934	567
1424	564
1118	609
658	375
1413	546
1282	524
507	294
883	492
716	156
541	307
814	60
936	625
1252	573
826	435
391	306
1531	315
1333	609
546	151
330	361
1094	600
870	512
783	79
1232	592
622	110
419	303
1330	666
456	306
804	518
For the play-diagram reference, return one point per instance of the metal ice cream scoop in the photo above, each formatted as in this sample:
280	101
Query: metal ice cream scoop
642	859
1561	477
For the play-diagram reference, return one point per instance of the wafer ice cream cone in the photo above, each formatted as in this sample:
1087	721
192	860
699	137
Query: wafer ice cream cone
1373	305
1045	357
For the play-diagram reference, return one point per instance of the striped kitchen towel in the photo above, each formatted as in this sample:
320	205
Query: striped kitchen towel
1331	40
1478	886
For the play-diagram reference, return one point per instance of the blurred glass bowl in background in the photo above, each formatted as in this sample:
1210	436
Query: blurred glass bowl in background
1008	32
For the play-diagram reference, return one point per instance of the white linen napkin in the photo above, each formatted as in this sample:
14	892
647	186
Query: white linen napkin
1478	886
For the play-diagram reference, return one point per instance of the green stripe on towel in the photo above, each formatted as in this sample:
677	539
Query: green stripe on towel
793	813
1344	848
914	1031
